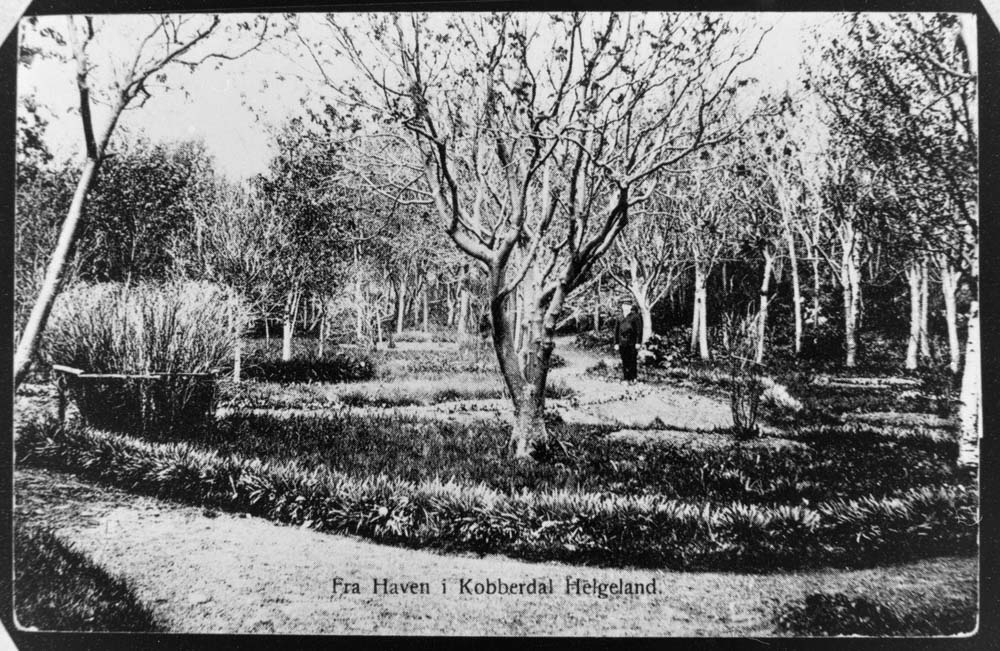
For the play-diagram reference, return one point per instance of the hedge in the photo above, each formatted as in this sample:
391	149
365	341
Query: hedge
578	527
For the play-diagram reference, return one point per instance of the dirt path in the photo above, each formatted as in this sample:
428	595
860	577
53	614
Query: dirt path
601	401
208	572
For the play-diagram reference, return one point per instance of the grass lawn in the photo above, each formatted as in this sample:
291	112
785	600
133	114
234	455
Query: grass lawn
425	389
405	377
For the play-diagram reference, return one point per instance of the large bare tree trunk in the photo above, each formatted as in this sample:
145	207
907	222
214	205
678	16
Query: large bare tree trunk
949	288
699	326
925	350
597	307
913	277
816	290
450	304
765	285
970	408
401	304
237	341
359	311
288	325
526	374
463	308
529	405
427	307
851	282
321	343
793	261
415	306
645	311
640	293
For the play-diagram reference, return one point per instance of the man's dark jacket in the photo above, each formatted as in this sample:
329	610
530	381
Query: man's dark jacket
628	331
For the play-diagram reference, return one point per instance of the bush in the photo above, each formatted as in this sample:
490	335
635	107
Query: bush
588	340
143	328
564	525
59	589
746	384
841	614
345	365
665	351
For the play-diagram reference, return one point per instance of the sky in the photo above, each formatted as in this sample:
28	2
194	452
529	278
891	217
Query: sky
233	107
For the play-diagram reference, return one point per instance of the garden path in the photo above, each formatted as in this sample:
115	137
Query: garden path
203	571
602	401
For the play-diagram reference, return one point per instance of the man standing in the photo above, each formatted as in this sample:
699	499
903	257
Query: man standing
628	339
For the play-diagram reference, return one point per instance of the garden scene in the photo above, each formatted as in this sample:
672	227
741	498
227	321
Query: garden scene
451	307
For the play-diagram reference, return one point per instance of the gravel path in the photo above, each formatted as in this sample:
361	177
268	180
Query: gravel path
202	571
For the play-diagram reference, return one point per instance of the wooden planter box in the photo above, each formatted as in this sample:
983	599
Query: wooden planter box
153	403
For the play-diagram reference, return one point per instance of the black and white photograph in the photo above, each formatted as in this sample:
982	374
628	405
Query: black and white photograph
523	323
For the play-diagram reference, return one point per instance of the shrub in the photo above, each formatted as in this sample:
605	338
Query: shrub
589	340
57	588
840	614
143	328
344	365
565	525
746	385
664	350
778	399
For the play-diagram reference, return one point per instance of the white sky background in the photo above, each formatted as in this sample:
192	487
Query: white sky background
213	103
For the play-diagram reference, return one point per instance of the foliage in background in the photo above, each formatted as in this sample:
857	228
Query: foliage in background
339	365
139	207
57	588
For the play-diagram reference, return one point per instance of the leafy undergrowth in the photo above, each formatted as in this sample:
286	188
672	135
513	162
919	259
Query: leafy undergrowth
57	588
707	530
840	614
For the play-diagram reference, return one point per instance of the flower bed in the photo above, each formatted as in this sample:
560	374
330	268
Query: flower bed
572	526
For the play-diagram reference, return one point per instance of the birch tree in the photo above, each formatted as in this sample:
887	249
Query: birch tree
908	100
164	44
705	204
534	137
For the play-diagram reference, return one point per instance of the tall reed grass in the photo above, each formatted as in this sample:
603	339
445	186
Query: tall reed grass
168	327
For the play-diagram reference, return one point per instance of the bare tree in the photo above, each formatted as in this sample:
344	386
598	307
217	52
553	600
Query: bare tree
649	257
704	201
534	138
235	245
170	41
